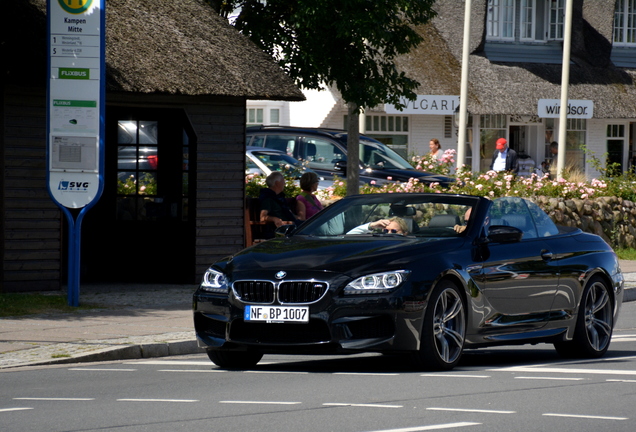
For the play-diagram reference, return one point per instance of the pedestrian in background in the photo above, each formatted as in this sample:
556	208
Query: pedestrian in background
436	149
504	158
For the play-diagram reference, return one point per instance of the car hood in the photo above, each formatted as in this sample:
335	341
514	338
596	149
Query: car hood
347	255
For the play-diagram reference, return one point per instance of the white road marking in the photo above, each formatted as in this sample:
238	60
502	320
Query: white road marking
53	399
471	410
585	416
566	370
455	376
277	372
192	370
101	369
173	362
366	373
363	405
623	338
431	427
14	409
550	378
621	381
158	400
259	402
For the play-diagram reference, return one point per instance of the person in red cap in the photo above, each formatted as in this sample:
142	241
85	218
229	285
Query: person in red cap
504	158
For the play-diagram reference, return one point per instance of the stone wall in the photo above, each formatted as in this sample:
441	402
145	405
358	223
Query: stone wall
612	218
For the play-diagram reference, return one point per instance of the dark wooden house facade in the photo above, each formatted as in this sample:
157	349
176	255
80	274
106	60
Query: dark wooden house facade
178	77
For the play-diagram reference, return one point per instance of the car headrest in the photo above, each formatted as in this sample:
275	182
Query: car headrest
444	220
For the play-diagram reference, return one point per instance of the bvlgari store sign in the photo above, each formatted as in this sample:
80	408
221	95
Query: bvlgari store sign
551	108
426	105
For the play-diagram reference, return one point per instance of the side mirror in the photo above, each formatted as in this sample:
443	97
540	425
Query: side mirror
504	234
341	166
285	230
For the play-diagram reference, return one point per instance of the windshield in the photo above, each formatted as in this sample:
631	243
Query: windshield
379	156
275	161
418	215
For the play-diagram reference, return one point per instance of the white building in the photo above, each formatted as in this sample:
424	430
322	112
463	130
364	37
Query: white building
514	80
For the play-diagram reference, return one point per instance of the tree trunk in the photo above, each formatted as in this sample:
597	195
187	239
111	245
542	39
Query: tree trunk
353	149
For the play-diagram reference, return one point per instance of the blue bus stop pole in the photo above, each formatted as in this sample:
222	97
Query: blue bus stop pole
74	242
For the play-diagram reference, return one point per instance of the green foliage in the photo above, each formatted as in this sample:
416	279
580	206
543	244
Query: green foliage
19	304
254	184
626	254
147	185
350	44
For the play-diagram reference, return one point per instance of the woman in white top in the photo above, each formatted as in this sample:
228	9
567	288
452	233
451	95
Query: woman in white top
436	149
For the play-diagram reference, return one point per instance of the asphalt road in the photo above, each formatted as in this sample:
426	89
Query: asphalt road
504	389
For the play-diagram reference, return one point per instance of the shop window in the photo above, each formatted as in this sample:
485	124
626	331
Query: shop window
137	163
575	145
491	128
390	130
615	148
143	194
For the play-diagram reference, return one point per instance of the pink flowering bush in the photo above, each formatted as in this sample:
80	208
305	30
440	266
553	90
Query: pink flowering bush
431	164
490	184
254	183
497	184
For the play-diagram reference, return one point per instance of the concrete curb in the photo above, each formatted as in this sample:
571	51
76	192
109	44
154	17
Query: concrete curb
630	294
129	352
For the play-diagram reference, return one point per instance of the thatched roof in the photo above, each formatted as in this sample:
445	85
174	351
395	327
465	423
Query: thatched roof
158	46
509	88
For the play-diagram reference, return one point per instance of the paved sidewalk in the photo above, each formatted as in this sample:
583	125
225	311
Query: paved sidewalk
132	321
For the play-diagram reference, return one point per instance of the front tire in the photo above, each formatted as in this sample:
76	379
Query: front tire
444	329
234	359
594	324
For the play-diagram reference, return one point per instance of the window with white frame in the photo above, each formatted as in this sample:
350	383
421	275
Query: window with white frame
392	130
500	20
254	116
625	23
537	20
556	19
527	22
262	116
274	116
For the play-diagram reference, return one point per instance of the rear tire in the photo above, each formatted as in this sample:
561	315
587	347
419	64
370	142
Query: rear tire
594	324
444	329
235	359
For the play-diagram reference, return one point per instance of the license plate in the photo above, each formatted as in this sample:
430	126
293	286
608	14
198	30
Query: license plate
276	314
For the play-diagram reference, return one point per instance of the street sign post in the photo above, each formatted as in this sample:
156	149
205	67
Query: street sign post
75	116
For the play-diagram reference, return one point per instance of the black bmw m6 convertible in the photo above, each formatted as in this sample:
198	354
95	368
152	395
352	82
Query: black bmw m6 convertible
425	275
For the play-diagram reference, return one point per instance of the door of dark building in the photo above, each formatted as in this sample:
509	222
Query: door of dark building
142	229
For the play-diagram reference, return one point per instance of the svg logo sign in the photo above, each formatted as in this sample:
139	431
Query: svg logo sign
66	185
75	6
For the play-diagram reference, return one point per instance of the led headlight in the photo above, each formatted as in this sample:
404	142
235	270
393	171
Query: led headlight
377	283
214	281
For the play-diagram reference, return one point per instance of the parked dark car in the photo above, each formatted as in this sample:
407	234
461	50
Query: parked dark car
457	272
263	161
325	150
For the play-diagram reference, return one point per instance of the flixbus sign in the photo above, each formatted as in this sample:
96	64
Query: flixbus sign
551	108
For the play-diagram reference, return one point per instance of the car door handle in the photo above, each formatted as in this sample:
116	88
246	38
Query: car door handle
546	255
